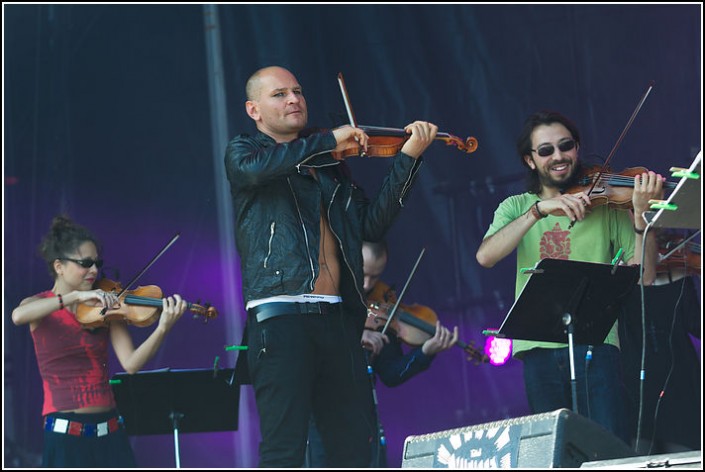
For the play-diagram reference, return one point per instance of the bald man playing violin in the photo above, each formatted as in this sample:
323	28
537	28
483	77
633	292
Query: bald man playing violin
545	222
300	221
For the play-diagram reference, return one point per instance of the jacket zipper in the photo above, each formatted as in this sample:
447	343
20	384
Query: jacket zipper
340	245
407	183
298	166
271	237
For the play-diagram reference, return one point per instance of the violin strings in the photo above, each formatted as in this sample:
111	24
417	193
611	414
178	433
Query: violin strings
616	179
625	180
145	300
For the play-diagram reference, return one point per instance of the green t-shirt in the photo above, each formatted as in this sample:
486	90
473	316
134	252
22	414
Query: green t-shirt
597	238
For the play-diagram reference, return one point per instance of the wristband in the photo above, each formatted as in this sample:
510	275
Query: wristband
639	231
536	212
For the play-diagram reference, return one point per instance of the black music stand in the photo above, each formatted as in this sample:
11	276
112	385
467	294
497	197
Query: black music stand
168	401
569	301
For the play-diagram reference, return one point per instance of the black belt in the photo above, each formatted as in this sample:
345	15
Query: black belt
270	310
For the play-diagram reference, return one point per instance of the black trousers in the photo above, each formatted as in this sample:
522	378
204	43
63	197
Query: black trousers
311	364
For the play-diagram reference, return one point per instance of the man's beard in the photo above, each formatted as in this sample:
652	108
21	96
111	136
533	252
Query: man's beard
562	185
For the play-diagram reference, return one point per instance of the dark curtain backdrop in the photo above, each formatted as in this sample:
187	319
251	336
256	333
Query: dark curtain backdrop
107	118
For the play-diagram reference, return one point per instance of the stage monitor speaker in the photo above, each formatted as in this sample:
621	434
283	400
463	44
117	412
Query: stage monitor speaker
556	439
676	460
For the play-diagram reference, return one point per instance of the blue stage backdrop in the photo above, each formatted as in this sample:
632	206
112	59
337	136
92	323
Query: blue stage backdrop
108	117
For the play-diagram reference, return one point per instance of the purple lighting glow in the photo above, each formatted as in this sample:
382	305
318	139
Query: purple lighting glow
499	350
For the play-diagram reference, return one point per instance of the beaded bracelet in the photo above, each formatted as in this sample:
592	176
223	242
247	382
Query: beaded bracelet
61	301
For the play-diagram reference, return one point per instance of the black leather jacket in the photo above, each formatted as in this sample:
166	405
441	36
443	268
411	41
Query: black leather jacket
277	206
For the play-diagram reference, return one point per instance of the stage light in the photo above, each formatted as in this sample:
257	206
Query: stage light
499	350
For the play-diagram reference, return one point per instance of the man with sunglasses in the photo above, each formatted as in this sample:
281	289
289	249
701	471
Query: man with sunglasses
82	427
545	222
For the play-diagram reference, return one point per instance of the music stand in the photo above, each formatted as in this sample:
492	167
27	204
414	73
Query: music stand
569	301
167	401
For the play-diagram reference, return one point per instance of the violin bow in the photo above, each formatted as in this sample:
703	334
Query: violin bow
346	100
621	136
348	108
136	277
396	305
619	140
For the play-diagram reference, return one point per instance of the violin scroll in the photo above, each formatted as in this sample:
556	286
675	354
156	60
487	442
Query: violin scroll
207	311
468	146
474	354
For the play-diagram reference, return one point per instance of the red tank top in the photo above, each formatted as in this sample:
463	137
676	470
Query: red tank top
73	362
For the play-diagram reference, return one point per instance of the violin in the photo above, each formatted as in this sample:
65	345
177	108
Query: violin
140	307
614	190
673	258
387	142
413	324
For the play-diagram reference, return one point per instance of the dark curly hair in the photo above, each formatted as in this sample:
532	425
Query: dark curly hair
543	117
64	237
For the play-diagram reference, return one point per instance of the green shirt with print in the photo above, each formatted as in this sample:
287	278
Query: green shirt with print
597	238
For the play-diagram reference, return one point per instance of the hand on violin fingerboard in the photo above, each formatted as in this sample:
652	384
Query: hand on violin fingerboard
374	341
440	341
422	135
647	186
172	309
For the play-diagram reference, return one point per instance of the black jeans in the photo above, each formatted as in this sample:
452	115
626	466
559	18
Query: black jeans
310	364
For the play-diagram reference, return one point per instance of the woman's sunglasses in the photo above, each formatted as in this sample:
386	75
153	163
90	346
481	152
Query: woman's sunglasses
548	149
85	263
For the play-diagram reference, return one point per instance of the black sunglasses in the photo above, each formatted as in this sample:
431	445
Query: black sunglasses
85	263
548	149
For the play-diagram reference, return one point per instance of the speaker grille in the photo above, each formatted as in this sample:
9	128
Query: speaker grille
556	439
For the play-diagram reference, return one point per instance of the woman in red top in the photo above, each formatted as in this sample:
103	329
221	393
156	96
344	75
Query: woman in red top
82	427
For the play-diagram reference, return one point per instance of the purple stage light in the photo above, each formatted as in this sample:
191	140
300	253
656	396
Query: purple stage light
499	350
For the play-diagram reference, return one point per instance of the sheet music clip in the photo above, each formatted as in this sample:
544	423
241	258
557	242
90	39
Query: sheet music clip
616	261
529	270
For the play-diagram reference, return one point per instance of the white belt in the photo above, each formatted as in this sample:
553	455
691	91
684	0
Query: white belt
304	298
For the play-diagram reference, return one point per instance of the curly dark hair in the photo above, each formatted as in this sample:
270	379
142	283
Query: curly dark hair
64	237
543	117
